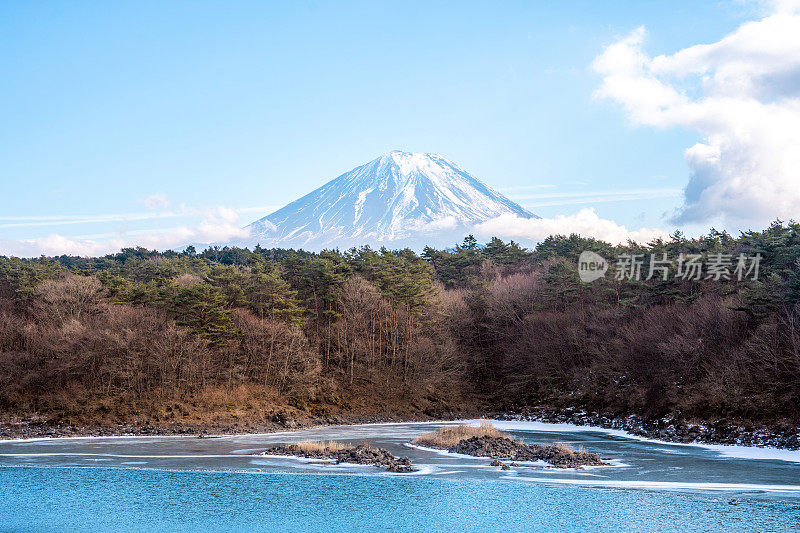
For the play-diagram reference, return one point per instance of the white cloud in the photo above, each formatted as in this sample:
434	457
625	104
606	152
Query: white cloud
56	245
156	201
742	94
593	197
220	224
65	220
585	223
527	187
448	222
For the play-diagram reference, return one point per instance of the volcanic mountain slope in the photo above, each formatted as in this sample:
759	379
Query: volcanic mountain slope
398	199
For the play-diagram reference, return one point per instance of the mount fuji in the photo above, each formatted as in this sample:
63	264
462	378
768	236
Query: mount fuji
400	199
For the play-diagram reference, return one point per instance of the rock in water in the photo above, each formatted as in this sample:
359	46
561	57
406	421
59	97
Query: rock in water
557	455
363	454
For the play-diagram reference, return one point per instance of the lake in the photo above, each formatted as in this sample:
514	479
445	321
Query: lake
190	484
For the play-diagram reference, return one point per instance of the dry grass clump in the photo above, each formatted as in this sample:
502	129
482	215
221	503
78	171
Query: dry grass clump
566	448
321	446
448	436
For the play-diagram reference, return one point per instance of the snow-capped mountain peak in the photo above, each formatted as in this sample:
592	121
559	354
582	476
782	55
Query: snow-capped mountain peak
396	199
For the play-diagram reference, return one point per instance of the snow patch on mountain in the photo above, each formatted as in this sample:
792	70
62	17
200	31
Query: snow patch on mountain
398	199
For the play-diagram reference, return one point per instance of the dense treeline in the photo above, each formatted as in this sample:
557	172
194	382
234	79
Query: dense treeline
494	325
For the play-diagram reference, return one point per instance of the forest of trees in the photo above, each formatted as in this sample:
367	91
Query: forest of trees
493	326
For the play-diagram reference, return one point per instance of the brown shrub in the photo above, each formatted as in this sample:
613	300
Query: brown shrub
448	436
72	297
271	353
320	446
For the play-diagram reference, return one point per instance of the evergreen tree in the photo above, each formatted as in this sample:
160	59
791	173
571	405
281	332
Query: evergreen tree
269	295
202	308
230	281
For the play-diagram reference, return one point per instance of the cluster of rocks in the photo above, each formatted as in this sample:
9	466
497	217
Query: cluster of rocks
30	429
557	455
40	427
670	428
502	465
363	454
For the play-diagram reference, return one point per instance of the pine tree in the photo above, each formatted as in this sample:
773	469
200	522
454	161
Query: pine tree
268	295
202	308
230	281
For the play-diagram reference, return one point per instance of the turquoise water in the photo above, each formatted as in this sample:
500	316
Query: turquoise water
184	484
110	499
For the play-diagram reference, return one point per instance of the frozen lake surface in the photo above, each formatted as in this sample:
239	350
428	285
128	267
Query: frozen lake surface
186	483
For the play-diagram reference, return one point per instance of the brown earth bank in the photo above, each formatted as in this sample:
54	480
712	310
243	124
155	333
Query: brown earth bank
197	415
243	409
219	410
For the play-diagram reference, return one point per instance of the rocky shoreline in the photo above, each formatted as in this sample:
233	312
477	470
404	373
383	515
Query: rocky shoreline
668	429
363	454
40	427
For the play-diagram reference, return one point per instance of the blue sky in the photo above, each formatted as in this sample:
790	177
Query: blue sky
249	105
